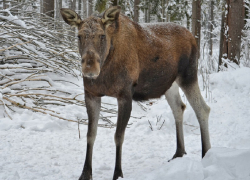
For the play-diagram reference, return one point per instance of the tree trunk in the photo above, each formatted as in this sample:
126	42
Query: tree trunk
58	14
136	10
234	23
196	22
90	7
114	2
210	42
80	8
148	11
188	21
145	15
167	15
4	4
163	10
41	6
188	17
15	10
72	5
48	8
222	36
4	7
84	6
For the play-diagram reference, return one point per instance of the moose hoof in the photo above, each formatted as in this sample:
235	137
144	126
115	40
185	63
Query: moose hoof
178	154
85	177
117	174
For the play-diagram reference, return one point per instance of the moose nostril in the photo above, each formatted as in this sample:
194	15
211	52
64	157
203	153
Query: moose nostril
90	61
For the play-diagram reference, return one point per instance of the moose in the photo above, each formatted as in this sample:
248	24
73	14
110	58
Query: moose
123	59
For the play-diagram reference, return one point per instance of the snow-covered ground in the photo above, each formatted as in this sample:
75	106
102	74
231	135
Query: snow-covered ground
38	146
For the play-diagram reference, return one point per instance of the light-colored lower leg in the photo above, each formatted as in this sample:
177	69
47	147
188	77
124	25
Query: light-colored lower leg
202	111
178	107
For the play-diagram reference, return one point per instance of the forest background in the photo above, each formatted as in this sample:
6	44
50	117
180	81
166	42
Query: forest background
42	106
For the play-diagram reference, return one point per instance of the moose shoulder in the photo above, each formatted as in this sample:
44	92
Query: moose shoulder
125	60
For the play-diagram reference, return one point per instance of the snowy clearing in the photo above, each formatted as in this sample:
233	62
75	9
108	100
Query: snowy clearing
37	146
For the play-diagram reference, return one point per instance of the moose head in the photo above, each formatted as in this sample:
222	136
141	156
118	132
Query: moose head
94	37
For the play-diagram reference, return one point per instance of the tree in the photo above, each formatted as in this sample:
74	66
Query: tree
177	11
210	27
80	7
84	6
48	7
235	24
136	10
90	7
222	34
58	16
114	2
72	5
232	25
187	13
196	22
4	6
147	10
100	5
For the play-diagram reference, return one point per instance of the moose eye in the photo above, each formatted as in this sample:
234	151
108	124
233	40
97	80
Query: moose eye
79	38
102	37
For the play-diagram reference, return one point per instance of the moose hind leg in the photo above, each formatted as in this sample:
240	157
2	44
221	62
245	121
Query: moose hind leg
178	107
202	110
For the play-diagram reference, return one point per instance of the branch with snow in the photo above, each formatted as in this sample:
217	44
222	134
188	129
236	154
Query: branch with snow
39	66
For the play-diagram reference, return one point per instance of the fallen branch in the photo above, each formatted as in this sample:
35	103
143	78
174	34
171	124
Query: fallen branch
14	46
36	110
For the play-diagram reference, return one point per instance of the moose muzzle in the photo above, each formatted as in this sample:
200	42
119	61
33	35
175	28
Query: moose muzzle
91	64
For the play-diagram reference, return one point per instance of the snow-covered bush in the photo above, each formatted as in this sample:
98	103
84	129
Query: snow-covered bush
39	65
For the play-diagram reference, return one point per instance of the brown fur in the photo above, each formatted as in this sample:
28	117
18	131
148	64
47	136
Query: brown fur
125	60
146	59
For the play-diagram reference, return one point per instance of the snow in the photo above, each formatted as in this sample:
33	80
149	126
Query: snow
13	19
38	146
224	163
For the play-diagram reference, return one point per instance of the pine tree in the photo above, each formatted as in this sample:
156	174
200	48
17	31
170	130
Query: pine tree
136	10
48	7
231	28
196	22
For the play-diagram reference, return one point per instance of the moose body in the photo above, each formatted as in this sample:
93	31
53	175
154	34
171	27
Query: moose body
128	61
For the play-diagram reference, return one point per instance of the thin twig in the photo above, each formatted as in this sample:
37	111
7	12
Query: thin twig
5	109
150	125
14	46
79	129
162	125
36	110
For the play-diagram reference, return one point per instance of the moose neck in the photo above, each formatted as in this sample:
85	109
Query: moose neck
134	40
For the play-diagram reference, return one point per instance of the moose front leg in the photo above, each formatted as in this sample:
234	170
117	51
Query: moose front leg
124	111
93	105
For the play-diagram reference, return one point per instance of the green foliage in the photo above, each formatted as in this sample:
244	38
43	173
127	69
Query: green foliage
100	5
179	9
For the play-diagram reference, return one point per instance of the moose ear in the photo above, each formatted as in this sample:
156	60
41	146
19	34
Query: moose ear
70	17
111	15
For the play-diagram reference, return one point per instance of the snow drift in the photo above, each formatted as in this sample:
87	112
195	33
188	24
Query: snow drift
37	146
